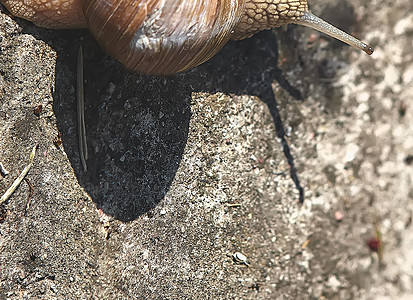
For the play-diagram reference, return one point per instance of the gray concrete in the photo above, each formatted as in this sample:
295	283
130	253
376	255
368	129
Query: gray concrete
154	217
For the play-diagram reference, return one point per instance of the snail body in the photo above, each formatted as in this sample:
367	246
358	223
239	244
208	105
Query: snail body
170	36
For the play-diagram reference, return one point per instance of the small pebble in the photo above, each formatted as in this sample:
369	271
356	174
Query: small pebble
240	258
3	170
338	215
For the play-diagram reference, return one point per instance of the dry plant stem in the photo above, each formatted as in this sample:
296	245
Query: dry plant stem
379	237
81	127
19	179
310	20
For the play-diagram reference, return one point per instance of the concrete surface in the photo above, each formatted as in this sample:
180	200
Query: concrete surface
187	170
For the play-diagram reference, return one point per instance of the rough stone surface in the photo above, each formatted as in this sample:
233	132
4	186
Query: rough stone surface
187	170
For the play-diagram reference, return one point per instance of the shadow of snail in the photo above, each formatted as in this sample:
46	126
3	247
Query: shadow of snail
150	37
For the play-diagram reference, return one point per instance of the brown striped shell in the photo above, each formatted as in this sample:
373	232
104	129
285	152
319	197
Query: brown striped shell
162	37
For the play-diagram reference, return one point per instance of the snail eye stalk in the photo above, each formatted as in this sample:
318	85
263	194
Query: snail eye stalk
310	20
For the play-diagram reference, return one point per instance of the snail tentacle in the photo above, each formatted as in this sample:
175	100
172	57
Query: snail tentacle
310	20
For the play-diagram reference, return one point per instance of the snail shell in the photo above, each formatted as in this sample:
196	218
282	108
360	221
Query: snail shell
170	36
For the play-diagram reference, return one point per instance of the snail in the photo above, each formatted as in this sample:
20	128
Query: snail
169	36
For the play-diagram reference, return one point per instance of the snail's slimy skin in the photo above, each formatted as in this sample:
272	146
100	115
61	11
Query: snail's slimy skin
169	36
49	14
261	15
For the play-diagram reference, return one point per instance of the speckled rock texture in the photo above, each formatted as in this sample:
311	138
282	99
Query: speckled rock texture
185	171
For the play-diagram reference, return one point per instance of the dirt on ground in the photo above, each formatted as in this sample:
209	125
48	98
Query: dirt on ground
187	176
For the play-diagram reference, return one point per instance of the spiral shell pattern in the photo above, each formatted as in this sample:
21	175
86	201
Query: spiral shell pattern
162	37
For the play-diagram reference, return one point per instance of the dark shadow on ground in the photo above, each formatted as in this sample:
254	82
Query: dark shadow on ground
137	125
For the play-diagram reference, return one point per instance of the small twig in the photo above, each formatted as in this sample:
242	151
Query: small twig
29	197
19	179
305	244
81	127
233	204
3	170
379	238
